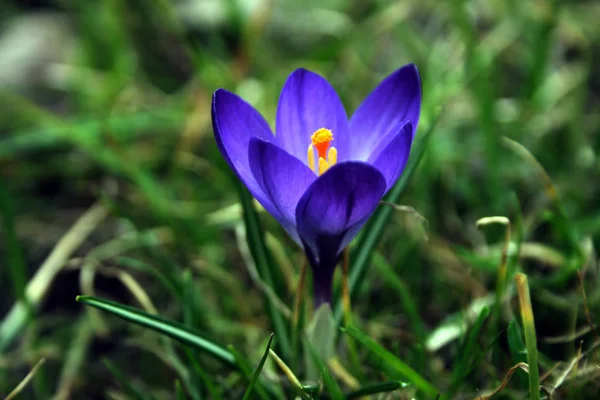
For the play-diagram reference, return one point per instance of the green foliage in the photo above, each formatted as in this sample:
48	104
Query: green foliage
172	329
112	188
257	371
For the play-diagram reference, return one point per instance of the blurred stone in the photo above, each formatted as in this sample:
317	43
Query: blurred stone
29	45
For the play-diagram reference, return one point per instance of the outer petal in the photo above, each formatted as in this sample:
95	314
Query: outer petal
337	204
235	122
283	178
307	103
390	156
395	100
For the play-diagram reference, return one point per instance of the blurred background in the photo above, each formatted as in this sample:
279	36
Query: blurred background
111	184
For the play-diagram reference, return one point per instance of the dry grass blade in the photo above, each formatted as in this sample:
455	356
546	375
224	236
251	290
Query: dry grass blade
288	372
128	281
413	213
519	149
586	309
341	372
15	392
40	283
405	209
567	372
505	381
568	337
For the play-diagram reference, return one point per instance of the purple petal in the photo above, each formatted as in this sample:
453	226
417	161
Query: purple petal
335	207
307	103
235	122
283	179
395	100
390	156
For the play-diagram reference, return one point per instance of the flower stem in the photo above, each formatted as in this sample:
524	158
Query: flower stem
322	285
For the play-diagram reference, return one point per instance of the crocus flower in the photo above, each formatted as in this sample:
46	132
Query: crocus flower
321	175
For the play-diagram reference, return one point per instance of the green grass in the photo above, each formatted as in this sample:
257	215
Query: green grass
112	188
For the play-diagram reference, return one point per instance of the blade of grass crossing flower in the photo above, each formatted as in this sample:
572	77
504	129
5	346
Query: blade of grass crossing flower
131	390
393	362
366	243
376	388
257	371
530	337
332	387
173	329
265	266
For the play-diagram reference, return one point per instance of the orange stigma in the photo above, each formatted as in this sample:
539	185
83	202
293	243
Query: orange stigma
321	139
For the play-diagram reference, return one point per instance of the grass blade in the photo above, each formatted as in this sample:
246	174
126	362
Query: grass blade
264	264
14	253
467	354
300	389
132	391
530	338
179	393
409	306
246	370
393	362
19	388
376	388
173	329
374	228
517	349
258	370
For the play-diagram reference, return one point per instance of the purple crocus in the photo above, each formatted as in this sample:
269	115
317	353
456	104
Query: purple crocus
321	175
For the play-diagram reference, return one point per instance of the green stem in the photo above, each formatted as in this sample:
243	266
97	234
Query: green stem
530	338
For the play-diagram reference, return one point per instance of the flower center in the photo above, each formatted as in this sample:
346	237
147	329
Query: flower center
320	140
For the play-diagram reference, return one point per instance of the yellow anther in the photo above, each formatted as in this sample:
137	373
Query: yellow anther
332	157
311	157
321	139
323	166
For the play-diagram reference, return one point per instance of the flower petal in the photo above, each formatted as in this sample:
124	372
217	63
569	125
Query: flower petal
334	208
390	156
283	178
395	100
307	103
235	122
